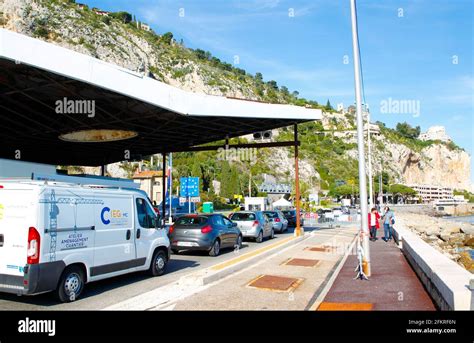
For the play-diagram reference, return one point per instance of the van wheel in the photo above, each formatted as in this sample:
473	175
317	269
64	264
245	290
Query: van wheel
158	263
71	284
216	248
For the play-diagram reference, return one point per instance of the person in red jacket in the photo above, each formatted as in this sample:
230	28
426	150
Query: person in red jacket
374	225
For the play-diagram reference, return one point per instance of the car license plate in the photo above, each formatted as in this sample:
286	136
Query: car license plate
185	244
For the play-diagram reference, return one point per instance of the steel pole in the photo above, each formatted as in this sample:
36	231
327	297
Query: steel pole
163	190
171	187
298	230
369	158
364	227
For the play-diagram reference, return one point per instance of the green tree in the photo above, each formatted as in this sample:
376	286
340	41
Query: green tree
224	179
273	85
124	17
328	106
406	130
167	38
402	191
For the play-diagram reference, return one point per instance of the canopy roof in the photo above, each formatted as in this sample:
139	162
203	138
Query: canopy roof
282	202
37	78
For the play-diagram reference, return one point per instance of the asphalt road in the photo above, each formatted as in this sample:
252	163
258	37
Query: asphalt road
100	294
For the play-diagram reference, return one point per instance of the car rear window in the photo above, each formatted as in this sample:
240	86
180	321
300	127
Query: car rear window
243	216
191	220
271	214
289	213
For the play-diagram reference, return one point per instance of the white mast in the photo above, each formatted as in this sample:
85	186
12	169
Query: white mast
364	227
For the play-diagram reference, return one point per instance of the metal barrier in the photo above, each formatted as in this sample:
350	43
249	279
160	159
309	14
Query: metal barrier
329	220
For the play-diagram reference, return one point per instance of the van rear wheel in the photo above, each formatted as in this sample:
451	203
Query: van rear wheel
158	263
70	284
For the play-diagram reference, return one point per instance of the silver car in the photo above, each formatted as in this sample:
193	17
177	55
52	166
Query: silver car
280	223
253	224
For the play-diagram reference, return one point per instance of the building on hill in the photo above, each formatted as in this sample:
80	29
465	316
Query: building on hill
435	133
340	107
374	129
431	193
145	27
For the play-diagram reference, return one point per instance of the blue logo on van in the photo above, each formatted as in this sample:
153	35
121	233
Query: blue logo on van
105	221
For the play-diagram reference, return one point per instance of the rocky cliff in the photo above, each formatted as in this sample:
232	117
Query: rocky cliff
65	23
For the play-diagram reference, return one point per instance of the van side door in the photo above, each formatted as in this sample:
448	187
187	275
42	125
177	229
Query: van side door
114	242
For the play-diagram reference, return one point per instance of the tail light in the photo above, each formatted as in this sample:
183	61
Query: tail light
206	229
255	223
277	220
171	229
34	243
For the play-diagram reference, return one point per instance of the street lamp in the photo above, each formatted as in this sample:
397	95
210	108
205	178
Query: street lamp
364	227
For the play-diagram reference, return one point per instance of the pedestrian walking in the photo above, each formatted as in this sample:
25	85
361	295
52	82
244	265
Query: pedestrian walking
388	219
374	223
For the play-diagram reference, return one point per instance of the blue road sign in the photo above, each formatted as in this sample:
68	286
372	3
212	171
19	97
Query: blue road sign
189	187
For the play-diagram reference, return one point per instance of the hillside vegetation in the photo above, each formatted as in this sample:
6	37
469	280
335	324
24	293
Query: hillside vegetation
328	148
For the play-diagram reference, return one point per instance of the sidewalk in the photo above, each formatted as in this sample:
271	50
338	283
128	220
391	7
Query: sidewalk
392	286
287	280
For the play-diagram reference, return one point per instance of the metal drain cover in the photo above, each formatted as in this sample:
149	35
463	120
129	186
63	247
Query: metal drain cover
301	262
275	283
322	249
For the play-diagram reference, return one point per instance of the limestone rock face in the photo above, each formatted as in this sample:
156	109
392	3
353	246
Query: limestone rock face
438	165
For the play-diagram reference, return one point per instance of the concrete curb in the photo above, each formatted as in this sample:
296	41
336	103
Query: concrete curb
323	290
213	274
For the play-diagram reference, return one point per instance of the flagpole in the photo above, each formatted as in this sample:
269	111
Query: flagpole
364	227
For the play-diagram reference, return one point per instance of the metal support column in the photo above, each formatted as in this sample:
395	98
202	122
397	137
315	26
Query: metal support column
299	231
163	191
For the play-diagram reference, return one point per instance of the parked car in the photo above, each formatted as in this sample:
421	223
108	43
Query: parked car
280	223
253	224
290	215
208	232
59	236
337	211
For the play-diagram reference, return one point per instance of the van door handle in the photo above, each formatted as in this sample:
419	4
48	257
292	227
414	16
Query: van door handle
129	234
138	233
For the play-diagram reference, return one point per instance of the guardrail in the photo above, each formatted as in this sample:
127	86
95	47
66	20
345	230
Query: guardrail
329	220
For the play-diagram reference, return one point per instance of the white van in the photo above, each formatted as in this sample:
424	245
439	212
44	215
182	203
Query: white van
57	235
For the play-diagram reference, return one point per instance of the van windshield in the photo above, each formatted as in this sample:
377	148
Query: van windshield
243	216
191	220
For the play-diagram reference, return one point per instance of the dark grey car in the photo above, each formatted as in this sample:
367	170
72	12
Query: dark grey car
208	232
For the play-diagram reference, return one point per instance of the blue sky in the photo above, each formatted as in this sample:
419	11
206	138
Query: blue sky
420	50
